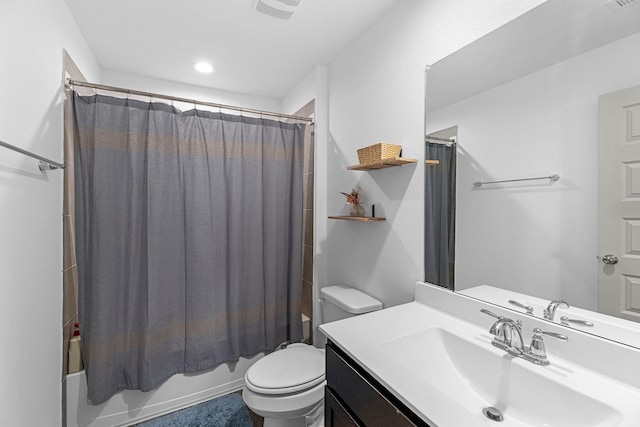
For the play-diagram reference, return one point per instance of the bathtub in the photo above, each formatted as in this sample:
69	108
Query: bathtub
133	406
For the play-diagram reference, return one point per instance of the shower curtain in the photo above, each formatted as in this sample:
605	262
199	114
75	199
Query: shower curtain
188	234
440	208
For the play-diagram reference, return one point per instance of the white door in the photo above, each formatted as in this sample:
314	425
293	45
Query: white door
619	204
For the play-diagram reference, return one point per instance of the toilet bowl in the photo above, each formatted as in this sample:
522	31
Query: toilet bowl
286	387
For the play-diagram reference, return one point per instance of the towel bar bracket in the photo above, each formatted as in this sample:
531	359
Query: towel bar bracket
46	166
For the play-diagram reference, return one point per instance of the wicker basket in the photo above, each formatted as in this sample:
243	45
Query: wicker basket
376	152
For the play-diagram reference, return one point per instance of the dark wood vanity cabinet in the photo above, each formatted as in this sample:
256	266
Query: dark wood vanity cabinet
354	398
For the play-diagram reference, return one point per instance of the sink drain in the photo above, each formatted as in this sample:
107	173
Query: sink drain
492	413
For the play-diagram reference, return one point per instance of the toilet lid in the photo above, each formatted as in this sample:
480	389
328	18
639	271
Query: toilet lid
290	370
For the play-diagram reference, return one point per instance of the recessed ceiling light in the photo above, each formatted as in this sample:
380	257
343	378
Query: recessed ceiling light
282	9
204	67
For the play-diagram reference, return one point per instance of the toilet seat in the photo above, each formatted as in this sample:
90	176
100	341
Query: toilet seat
295	368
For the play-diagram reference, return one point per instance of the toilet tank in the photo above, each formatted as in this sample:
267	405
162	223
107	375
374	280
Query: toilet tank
340	302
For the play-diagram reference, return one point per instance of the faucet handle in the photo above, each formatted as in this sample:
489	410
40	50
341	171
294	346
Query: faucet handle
539	332
518	323
537	352
565	321
527	308
491	313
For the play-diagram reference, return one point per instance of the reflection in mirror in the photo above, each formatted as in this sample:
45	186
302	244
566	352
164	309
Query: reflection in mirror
440	207
585	320
525	100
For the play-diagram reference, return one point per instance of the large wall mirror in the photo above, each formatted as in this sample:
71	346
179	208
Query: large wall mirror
537	109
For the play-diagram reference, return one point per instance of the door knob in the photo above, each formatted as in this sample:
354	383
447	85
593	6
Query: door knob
610	259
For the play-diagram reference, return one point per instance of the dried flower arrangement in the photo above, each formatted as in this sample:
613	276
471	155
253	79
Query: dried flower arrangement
353	198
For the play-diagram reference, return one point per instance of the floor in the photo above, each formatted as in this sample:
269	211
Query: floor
257	420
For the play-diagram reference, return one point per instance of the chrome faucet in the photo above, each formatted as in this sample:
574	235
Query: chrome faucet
550	311
507	336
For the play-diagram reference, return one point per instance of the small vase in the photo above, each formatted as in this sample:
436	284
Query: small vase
356	210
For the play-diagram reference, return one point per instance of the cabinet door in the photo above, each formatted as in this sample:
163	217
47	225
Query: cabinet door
334	413
364	397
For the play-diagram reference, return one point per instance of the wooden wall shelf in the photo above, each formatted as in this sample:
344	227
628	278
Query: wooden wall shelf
384	163
359	218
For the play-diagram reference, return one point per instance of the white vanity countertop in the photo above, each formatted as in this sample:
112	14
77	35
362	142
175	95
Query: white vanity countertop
361	338
375	341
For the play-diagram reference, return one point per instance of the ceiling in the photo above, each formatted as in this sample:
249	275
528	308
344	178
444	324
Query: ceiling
571	27
252	52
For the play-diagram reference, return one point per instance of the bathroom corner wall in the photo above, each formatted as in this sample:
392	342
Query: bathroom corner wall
376	93
314	86
307	225
34	34
308	110
69	266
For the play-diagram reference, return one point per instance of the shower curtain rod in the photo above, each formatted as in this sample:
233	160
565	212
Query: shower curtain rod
186	100
436	138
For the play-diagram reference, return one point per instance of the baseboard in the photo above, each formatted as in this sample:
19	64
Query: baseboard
181	403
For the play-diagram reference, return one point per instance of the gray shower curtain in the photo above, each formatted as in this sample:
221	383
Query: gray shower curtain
440	215
188	234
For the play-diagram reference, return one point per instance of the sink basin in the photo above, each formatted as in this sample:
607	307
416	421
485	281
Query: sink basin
463	365
435	356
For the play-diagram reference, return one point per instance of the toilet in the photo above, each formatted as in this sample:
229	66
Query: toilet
286	387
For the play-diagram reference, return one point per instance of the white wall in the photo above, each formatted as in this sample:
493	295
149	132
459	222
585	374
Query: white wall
376	93
33	34
199	93
537	238
301	93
